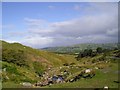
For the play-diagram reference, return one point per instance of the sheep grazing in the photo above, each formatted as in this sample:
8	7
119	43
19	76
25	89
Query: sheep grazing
88	73
88	70
105	87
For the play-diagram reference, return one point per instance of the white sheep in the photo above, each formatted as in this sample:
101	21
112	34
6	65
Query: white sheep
88	70
106	87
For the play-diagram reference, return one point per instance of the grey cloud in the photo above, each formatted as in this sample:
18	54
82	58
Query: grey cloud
86	26
93	29
99	25
66	41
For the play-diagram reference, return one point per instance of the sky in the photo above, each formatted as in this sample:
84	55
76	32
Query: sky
60	0
49	24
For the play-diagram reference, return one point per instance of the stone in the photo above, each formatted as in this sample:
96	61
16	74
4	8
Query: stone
4	69
26	84
96	68
60	67
7	77
49	68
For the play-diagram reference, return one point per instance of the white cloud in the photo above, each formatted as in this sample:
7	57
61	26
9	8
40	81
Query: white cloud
12	41
98	25
37	41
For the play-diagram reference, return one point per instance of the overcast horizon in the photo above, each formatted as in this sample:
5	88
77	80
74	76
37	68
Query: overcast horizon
48	24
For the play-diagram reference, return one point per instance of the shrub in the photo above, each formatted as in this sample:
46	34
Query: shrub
72	63
99	50
86	53
14	56
10	68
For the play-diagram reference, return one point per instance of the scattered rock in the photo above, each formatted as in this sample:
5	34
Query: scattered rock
77	67
26	84
4	69
71	80
96	68
60	67
7	77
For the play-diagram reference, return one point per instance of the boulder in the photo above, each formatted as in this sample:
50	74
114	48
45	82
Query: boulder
26	84
71	80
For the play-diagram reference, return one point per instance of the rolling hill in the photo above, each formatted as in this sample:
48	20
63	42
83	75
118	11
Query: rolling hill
80	47
32	54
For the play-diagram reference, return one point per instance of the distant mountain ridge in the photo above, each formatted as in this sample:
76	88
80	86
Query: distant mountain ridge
80	47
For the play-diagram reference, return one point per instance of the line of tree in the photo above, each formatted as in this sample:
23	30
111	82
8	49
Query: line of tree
91	53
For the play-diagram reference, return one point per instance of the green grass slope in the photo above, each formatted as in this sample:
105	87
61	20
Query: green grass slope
31	55
24	64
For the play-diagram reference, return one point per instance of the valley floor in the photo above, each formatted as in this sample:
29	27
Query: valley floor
107	76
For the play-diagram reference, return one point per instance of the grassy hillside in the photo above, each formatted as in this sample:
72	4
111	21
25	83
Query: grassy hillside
26	63
32	55
22	64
